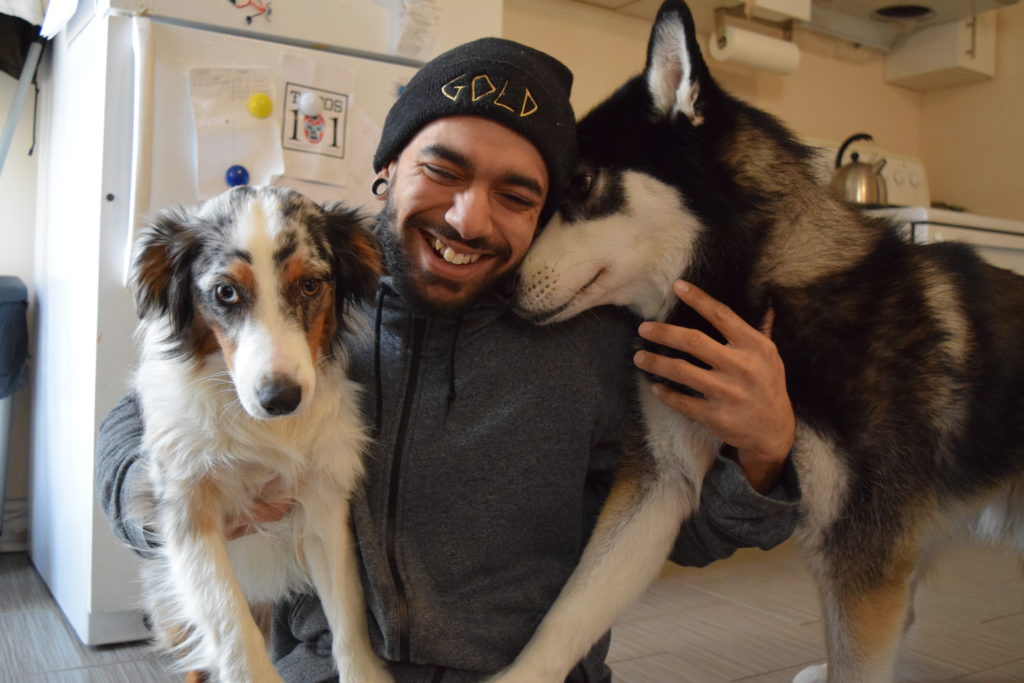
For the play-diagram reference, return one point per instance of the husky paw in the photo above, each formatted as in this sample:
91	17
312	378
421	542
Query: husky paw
254	677
513	675
813	674
371	671
256	674
503	678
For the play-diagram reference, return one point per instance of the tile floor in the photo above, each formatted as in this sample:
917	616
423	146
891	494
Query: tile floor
752	618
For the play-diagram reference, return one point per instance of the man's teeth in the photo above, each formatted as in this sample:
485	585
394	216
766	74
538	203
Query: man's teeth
452	256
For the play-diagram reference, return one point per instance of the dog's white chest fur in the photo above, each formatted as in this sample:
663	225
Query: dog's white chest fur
195	420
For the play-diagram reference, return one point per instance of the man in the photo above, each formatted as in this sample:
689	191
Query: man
495	440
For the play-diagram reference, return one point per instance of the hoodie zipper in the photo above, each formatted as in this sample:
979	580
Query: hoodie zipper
402	598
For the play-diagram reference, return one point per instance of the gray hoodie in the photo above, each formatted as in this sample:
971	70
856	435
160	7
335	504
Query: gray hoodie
495	442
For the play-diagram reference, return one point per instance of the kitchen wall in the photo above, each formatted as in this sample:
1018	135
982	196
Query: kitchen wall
836	91
17	255
972	137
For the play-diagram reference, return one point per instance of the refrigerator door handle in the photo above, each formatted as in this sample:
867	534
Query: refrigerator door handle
142	133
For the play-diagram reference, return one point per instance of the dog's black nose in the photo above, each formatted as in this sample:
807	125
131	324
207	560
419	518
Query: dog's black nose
280	396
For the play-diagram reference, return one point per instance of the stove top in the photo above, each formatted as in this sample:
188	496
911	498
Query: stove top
946	217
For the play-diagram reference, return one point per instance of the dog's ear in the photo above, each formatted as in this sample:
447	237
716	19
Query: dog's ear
356	256
676	71
161	277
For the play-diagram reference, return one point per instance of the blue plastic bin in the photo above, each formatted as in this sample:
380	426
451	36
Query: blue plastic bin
13	363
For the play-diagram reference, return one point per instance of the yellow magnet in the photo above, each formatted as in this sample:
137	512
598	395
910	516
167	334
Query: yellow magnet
260	105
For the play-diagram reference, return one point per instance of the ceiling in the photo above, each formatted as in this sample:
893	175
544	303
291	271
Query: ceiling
642	9
856	21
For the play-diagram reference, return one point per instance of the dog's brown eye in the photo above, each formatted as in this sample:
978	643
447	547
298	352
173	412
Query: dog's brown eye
226	294
580	186
312	286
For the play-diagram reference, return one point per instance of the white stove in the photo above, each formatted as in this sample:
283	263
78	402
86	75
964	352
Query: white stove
999	240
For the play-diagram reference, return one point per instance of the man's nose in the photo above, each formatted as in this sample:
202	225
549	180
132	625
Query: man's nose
470	213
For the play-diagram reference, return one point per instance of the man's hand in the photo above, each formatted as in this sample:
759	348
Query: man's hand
270	505
745	401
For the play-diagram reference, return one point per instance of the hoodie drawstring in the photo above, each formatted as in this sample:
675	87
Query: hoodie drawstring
451	363
377	370
378	382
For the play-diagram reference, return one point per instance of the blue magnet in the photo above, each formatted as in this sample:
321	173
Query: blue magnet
237	175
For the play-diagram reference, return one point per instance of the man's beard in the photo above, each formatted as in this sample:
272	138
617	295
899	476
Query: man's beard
394	241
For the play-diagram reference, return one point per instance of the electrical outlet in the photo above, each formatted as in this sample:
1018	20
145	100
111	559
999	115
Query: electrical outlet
14	536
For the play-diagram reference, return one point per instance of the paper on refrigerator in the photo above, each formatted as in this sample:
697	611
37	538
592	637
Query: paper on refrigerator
316	132
227	133
415	27
325	137
418	24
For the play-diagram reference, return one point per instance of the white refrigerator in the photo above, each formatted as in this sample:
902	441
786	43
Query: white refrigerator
124	129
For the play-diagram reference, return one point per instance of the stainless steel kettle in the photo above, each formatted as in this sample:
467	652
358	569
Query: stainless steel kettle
857	181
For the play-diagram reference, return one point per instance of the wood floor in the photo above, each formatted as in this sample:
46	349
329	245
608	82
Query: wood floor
751	618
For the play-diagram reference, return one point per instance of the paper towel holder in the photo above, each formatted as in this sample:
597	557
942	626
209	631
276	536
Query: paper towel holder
747	44
744	12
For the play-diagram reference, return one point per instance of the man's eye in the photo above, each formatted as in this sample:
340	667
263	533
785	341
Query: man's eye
312	286
226	294
519	200
439	172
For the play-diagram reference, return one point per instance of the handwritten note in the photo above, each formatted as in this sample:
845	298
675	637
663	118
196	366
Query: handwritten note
417	25
227	133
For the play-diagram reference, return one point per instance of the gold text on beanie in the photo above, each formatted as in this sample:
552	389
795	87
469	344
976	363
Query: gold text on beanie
519	100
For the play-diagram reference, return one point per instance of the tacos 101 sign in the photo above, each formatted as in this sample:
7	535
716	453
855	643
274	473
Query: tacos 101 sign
314	120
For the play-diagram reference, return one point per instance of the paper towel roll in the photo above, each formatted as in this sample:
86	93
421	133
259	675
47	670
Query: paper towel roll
758	51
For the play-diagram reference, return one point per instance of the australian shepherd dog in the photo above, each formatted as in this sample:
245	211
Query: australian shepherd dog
904	362
244	302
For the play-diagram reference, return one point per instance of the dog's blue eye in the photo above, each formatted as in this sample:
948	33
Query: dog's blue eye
226	294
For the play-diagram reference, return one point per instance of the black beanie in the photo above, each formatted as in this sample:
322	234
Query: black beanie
515	85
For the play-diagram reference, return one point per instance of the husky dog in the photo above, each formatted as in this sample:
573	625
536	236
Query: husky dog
905	364
244	302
